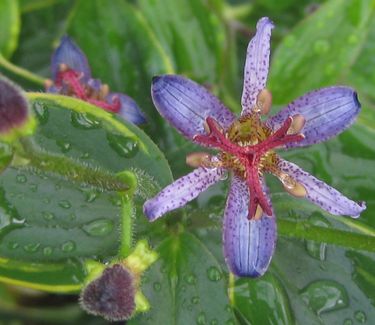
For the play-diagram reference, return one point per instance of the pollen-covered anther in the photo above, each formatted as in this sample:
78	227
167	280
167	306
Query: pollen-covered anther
104	91
258	213
48	83
264	102
297	125
200	159
291	185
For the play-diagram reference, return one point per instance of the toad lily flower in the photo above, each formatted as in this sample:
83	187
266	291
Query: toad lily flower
247	148
72	77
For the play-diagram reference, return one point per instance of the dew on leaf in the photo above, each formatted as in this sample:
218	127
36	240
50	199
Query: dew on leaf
68	246
313	248
47	251
90	196
48	215
124	146
201	319
156	286
13	245
98	228
31	248
85	121
347	321
65	204
195	300
21	178
213	273
214	322
190	279
33	187
360	316
41	112
64	145
324	296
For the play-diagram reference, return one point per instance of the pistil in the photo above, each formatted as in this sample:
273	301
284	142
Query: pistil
246	159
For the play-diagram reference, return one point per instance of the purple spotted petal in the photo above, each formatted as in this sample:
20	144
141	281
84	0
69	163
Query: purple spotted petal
327	111
257	63
69	53
95	84
248	244
186	105
321	194
182	191
129	110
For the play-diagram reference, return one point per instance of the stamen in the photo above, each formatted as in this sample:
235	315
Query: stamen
264	102
297	124
198	159
258	213
291	185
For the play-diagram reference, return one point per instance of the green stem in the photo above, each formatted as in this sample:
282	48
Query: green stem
302	230
127	226
23	73
68	168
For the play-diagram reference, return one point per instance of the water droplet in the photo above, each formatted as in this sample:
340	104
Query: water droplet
360	316
85	121
41	112
68	246
47	251
13	245
190	279
213	273
91	196
157	286
85	155
214	322
31	248
21	178
65	204
46	200
228	308
98	228
124	146
64	145
347	321
230	322
321	46
48	215
33	187
313	248
325	295
195	300
201	319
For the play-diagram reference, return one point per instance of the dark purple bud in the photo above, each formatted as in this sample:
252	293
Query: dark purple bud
111	295
14	110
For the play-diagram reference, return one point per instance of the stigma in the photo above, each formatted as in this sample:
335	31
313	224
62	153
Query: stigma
247	147
71	84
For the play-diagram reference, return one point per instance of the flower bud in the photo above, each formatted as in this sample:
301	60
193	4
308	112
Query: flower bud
15	117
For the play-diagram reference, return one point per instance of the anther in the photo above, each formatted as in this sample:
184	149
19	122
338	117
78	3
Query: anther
63	67
264	102
297	124
292	186
198	159
258	213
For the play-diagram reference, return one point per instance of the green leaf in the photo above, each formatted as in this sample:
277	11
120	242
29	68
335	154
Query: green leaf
323	49
9	26
191	34
186	285
61	197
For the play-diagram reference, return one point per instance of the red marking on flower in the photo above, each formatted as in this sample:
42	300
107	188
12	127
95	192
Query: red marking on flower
250	157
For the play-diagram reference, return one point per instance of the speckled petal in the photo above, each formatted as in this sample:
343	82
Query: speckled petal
248	244
257	64
129	110
327	111
182	191
322	194
186	105
69	53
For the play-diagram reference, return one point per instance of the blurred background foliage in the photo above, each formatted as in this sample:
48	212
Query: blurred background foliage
320	273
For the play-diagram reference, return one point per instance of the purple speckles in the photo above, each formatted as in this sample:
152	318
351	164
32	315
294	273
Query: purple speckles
181	191
186	105
257	63
327	111
322	194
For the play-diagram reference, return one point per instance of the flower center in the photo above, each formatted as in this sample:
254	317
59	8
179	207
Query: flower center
70	83
247	148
